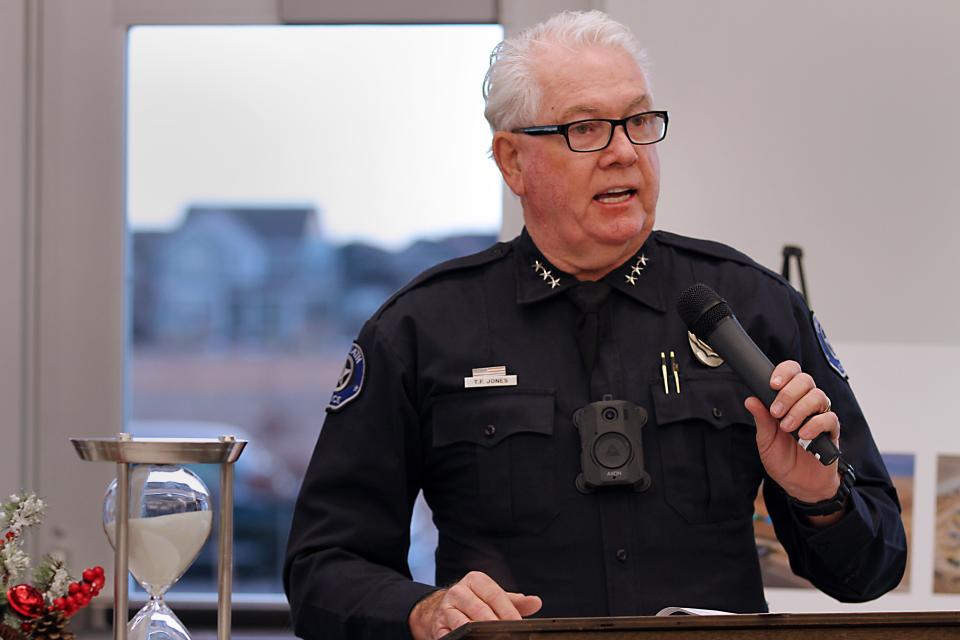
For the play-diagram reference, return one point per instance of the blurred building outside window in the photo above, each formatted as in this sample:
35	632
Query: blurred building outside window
283	182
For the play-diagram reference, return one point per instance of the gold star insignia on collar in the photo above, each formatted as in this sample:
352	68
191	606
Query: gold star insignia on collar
636	270
547	275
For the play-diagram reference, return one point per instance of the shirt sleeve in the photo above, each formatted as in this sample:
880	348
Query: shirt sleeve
346	573
863	555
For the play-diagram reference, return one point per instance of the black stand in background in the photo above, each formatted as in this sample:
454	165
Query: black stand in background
795	252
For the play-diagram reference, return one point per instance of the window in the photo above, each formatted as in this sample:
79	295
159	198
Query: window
282	183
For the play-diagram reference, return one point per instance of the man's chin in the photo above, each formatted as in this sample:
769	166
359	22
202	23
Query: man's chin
624	230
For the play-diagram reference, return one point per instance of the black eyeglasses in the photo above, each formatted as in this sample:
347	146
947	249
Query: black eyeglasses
595	134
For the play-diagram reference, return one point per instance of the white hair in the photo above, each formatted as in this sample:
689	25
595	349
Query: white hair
510	88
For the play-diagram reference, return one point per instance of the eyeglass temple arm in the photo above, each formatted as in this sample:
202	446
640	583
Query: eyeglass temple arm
539	131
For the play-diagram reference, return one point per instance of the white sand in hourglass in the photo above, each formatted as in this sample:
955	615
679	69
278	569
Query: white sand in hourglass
163	547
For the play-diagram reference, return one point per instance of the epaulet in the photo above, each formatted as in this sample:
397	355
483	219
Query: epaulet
463	263
718	250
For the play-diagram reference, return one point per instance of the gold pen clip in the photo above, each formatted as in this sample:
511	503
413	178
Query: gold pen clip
663	369
676	371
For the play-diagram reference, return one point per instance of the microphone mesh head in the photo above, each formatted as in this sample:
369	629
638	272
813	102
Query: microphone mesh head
701	309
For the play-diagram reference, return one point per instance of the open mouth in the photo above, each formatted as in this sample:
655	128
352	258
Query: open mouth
615	196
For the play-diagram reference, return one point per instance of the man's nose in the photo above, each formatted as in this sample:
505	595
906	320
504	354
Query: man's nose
621	150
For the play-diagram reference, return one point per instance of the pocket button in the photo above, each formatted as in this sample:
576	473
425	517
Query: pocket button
717	413
489	431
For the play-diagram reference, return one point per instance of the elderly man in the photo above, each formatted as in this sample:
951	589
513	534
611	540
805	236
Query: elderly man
480	383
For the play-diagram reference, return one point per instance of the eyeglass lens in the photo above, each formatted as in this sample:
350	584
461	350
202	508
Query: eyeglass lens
591	135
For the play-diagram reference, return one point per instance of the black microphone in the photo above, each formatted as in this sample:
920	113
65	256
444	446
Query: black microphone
709	317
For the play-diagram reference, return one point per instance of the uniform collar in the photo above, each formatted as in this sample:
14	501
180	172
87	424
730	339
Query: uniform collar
537	279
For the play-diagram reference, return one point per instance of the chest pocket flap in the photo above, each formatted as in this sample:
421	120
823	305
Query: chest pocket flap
486	417
717	400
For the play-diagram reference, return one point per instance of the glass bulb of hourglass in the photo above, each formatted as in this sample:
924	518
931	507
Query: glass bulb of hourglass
169	520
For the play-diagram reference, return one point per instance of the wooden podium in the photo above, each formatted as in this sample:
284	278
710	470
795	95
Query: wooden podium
926	625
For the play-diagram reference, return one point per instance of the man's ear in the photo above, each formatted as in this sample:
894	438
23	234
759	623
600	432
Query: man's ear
506	153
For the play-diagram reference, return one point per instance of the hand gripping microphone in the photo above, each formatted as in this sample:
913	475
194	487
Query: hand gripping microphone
709	317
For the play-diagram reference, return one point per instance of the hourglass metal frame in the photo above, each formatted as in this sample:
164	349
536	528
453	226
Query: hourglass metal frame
126	450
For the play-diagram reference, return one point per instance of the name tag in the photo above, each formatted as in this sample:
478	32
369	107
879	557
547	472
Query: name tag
490	381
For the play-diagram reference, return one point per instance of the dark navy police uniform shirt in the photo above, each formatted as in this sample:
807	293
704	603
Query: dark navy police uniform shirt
498	464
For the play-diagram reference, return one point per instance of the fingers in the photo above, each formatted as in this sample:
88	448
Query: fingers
766	425
822	423
798	397
478	597
492	597
812	402
449	620
792	384
526	605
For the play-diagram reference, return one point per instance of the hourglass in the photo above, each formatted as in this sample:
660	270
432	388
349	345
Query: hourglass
157	515
169	520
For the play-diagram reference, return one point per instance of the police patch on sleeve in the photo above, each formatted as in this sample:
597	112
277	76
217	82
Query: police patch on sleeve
350	381
832	359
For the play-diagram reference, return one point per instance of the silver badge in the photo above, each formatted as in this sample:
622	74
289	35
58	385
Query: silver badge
704	352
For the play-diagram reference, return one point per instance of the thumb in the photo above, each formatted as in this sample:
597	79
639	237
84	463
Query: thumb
767	425
526	605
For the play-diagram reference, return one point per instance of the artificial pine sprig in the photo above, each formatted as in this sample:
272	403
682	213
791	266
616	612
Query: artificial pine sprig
51	577
41	610
14	562
21	511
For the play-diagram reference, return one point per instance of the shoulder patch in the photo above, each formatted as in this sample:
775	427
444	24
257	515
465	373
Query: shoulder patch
350	380
832	359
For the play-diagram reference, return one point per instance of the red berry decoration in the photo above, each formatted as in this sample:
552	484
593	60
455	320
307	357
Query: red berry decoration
26	600
36	616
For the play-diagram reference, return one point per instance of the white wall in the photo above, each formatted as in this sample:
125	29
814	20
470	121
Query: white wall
832	125
12	193
77	275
